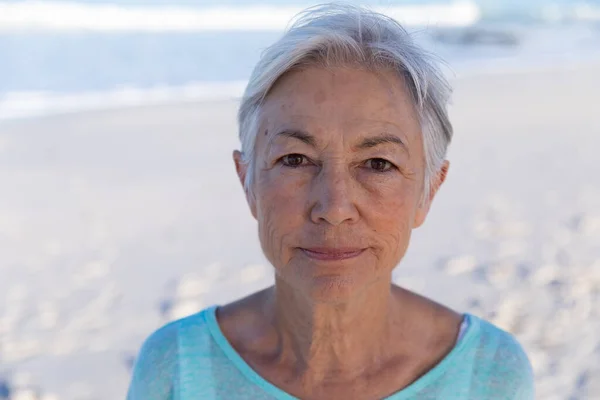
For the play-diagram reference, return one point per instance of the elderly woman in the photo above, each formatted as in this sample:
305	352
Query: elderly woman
344	132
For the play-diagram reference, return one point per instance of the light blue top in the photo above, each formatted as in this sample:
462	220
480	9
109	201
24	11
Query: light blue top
190	359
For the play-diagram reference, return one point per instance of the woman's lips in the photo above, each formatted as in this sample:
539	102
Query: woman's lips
325	254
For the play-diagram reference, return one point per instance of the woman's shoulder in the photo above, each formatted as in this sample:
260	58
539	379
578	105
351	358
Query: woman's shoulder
495	341
156	365
167	341
502	359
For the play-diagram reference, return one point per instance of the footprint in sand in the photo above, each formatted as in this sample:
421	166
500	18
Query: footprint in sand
4	389
460	264
588	384
186	297
27	394
587	224
474	305
540	361
191	285
252	273
184	308
546	274
500	220
501	273
129	361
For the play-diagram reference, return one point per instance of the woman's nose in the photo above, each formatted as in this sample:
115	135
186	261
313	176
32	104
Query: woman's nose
333	198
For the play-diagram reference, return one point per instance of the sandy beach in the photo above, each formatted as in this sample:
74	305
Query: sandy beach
115	222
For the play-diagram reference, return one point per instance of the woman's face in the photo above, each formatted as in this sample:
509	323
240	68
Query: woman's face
339	174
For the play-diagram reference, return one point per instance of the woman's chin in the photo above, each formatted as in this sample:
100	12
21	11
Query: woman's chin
330	280
333	287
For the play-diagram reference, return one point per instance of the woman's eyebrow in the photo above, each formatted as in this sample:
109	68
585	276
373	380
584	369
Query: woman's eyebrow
304	137
385	138
367	143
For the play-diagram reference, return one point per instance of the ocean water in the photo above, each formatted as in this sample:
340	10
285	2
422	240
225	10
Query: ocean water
63	56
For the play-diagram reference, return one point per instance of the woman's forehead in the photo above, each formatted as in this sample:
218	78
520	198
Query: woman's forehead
321	101
316	85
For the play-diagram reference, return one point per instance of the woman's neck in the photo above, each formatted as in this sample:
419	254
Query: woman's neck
324	341
374	344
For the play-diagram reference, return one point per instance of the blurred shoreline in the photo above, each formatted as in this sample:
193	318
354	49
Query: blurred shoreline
60	57
26	105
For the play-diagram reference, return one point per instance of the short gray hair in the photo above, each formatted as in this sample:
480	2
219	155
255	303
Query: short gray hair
346	35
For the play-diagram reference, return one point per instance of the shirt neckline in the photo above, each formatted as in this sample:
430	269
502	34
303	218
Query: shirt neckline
210	316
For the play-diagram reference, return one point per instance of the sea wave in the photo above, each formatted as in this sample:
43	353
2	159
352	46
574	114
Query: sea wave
28	104
66	16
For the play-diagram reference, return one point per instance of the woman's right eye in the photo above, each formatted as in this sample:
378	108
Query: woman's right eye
293	160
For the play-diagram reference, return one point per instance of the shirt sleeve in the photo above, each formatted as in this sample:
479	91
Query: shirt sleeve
526	389
502	369
515	367
155	367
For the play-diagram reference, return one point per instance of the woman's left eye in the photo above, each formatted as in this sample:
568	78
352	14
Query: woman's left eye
379	164
293	160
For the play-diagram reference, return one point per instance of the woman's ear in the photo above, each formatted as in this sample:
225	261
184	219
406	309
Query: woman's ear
425	205
242	169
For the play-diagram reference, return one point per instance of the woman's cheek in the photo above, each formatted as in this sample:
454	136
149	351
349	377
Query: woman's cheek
281	215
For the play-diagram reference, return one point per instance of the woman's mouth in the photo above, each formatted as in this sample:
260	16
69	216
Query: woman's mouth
331	254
